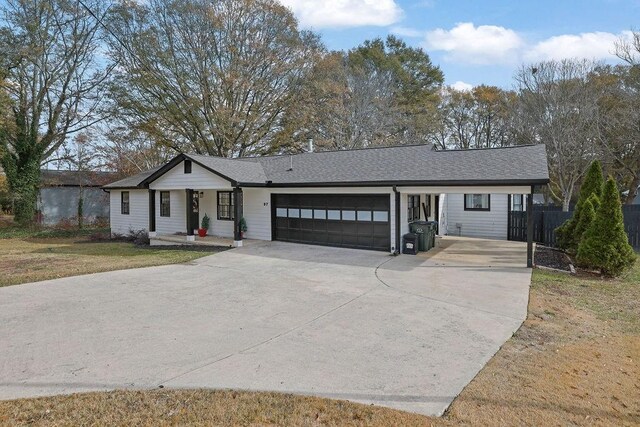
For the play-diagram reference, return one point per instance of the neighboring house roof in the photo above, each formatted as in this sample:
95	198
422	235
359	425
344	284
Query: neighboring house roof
133	181
399	165
72	178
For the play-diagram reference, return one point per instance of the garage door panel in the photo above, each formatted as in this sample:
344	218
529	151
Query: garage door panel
380	229
306	224
350	220
334	239
334	226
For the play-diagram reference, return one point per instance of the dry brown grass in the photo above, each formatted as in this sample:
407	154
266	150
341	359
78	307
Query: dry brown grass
575	361
199	407
25	260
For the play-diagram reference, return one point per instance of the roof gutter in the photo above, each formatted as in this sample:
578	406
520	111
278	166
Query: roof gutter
456	183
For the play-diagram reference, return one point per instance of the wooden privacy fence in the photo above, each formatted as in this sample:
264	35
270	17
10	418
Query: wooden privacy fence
547	218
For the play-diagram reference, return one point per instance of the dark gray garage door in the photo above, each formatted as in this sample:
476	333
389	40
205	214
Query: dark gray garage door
350	220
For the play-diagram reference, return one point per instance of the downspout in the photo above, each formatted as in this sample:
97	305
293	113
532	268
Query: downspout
398	242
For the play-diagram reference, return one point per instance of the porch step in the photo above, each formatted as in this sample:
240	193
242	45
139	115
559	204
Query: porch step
172	240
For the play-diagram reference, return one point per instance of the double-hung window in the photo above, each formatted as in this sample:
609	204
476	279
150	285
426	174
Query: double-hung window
477	202
225	205
165	203
517	202
124	203
413	208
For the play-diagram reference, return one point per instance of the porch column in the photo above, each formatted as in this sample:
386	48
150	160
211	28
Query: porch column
237	214
189	204
152	213
530	229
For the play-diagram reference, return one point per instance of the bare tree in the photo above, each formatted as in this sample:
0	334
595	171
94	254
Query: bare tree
558	106
629	49
53	79
620	122
127	151
214	77
379	93
479	118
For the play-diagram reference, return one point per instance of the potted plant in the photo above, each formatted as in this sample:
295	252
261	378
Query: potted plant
243	227
202	231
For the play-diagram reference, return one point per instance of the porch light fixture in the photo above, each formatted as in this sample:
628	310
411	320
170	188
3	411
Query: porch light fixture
202	194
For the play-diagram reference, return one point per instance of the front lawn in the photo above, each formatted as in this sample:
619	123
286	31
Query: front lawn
30	259
575	361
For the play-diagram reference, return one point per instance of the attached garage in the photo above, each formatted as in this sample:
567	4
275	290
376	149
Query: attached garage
360	221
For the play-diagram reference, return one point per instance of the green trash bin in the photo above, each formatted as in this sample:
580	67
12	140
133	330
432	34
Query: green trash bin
433	228
423	230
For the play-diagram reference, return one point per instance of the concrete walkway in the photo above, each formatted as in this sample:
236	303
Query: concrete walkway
407	332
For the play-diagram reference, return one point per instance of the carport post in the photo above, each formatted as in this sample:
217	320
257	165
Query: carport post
530	229
190	226
237	214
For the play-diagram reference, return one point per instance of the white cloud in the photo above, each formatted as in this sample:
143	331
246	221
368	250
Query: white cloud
462	86
596	45
345	13
407	32
484	44
490	44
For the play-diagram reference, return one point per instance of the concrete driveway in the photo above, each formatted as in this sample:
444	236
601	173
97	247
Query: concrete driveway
407	332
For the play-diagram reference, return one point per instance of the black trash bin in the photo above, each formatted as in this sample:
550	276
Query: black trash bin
410	244
421	228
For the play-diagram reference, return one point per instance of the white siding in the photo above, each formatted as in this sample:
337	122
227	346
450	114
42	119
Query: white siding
257	213
488	224
209	205
443	220
176	221
138	218
199	179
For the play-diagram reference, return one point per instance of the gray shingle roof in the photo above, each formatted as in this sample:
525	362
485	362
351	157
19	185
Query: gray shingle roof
419	164
250	171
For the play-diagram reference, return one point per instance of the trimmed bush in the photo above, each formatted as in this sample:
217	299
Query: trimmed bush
605	245
566	235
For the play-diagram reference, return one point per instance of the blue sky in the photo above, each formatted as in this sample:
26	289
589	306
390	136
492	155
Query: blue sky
477	41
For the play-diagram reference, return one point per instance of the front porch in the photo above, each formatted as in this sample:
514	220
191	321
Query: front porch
175	215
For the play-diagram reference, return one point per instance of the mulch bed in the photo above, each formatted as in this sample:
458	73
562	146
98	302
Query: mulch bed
551	258
192	248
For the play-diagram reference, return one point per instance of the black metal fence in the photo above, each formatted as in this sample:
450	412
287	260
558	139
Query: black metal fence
547	218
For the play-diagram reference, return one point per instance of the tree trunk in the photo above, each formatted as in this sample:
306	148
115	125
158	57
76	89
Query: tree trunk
633	190
24	182
80	209
566	202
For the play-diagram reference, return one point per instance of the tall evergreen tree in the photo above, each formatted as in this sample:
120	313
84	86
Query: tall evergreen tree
605	245
593	182
587	216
